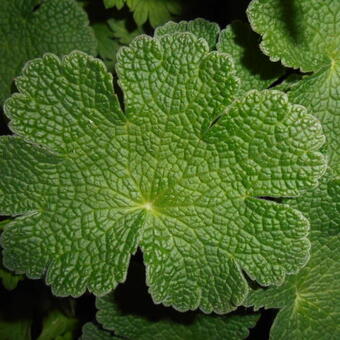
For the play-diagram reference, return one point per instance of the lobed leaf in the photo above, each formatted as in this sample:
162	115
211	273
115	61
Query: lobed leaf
161	176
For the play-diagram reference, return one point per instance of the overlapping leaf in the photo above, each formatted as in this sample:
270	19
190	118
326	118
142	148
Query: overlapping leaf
305	34
30	28
308	301
200	326
159	176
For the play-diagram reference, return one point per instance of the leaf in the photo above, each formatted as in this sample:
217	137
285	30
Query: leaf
156	11
311	26
159	176
114	3
111	36
91	332
199	27
253	68
107	45
57	326
15	330
57	26
8	279
200	326
308	301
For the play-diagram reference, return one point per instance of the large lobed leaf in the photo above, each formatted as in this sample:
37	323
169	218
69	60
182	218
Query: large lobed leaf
30	28
161	176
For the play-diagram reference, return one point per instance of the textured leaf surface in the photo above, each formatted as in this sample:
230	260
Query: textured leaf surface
311	26
91	332
58	26
309	301
201	327
199	27
254	69
160	176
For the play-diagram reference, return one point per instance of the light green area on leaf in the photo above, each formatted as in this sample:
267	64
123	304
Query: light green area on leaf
57	326
305	34
91	332
57	26
159	176
15	330
309	301
254	69
200	327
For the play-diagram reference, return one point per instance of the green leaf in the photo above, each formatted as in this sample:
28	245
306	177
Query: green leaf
160	176
156	11
91	332
253	68
200	326
57	326
8	279
111	36
199	27
57	26
15	330
107	45
114	3
305	34
308	301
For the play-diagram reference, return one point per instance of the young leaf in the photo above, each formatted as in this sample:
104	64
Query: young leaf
57	326
305	34
58	26
159	177
309	300
253	68
201	327
112	35
114	3
156	11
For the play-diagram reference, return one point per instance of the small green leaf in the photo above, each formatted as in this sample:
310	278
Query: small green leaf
161	176
305	34
57	26
308	301
253	68
156	11
114	3
200	327
57	326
